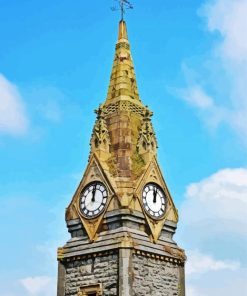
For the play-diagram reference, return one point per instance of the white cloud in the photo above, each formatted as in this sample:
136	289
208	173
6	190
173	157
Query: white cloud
40	285
213	230
193	291
228	17
222	282
196	96
224	71
221	197
199	263
207	110
13	119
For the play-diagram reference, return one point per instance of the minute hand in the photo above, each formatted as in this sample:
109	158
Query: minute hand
93	194
155	195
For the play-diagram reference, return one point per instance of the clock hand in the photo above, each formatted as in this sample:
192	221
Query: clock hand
155	195
93	193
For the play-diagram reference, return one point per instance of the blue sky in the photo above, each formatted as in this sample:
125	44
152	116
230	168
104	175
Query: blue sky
191	64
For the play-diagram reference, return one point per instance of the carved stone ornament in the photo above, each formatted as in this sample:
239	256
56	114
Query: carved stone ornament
147	140
100	136
95	289
138	164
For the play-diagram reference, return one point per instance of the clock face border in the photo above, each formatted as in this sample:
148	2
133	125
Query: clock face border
164	204
82	199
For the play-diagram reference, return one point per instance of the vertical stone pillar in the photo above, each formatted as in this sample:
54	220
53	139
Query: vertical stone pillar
125	272
182	281
61	279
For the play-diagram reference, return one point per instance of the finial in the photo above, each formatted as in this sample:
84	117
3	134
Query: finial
124	4
122	32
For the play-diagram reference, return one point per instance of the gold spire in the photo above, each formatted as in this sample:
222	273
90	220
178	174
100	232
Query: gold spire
123	84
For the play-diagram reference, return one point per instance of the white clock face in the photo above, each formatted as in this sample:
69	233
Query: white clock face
93	199
154	200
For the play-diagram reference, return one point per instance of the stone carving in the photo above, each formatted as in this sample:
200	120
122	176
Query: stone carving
153	175
123	45
147	140
85	269
94	173
112	165
124	105
100	137
138	164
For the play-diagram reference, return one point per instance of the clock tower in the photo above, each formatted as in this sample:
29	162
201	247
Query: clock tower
122	217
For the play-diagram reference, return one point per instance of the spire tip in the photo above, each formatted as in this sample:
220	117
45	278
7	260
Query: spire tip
122	33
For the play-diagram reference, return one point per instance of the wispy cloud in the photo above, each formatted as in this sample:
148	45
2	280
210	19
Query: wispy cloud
39	285
13	117
221	282
225	65
193	291
199	263
228	17
222	196
196	96
213	224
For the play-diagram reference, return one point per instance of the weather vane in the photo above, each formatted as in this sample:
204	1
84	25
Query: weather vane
123	4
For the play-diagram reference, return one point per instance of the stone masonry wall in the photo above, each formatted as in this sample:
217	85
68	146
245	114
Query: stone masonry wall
92	271
154	277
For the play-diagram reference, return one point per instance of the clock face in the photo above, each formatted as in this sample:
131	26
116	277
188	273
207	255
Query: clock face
93	199
154	200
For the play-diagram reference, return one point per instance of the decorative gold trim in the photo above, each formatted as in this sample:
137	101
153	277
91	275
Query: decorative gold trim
60	254
87	290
